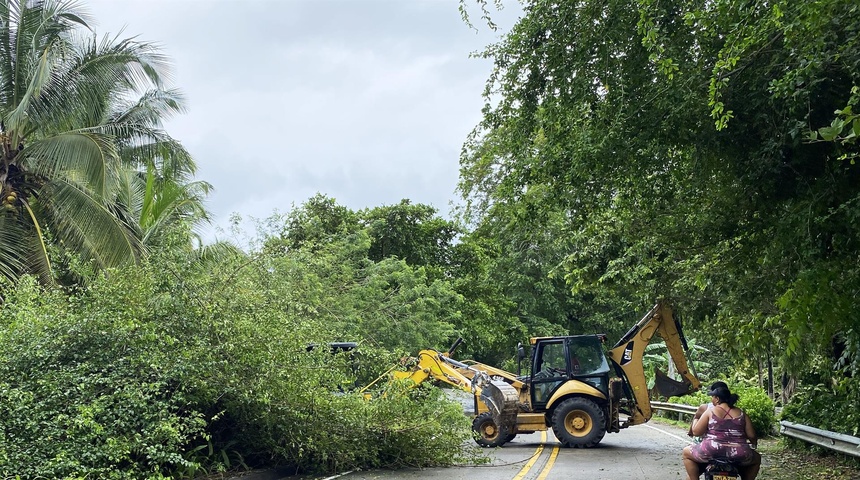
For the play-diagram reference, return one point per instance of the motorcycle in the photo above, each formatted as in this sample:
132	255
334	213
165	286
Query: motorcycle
721	470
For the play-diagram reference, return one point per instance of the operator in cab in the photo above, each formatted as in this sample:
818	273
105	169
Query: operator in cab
727	433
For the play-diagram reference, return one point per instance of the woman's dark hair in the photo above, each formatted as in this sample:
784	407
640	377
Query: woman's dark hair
725	396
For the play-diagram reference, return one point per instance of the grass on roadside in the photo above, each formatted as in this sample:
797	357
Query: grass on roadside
791	462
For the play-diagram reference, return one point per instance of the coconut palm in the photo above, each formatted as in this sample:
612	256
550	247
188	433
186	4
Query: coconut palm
79	114
161	203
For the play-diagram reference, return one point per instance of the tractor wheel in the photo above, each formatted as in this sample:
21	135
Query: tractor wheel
579	422
488	434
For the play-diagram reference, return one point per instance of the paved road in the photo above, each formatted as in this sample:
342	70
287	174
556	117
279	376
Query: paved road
644	452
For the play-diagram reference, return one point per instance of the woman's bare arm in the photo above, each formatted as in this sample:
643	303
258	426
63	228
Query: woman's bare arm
750	431
701	425
699	411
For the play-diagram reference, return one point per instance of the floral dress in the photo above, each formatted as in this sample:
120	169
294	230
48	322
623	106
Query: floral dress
725	439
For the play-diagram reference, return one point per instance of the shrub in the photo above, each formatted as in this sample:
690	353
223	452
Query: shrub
834	407
419	428
760	408
90	393
155	374
753	400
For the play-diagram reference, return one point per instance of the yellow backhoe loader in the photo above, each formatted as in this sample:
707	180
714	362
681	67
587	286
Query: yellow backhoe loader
569	387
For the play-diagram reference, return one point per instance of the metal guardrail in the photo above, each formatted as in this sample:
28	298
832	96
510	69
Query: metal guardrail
674	407
835	441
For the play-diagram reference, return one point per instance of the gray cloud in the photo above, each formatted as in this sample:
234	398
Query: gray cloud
365	101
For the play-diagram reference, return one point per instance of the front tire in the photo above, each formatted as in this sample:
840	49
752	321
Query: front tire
579	422
488	434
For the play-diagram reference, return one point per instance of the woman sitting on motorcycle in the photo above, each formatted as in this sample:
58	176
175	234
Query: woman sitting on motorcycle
727	433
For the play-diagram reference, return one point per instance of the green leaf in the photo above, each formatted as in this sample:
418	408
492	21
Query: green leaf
829	133
838	123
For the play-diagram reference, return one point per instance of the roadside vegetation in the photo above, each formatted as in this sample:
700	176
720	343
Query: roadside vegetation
153	373
702	152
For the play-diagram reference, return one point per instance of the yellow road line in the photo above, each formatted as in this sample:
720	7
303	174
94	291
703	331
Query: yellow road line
528	466
549	463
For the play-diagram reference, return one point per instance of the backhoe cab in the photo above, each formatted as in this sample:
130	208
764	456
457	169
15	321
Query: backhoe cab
570	388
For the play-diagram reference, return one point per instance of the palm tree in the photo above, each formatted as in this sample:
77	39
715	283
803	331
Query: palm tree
79	117
161	203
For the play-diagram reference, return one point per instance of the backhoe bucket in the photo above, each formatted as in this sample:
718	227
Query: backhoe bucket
501	398
668	387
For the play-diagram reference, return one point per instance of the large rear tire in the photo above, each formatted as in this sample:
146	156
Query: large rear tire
488	434
579	422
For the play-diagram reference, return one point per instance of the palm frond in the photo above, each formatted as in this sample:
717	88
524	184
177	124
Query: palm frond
38	261
140	146
131	192
39	77
35	35
7	60
12	250
133	64
22	246
171	203
84	158
98	232
73	12
151	108
93	75
167	156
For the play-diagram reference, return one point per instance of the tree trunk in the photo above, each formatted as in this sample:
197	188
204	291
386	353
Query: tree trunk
760	380
770	376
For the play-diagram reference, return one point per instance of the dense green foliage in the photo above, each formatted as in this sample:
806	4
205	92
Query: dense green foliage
336	269
459	292
160	372
95	389
826	407
686	150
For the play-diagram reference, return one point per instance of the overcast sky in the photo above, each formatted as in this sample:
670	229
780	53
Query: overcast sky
366	101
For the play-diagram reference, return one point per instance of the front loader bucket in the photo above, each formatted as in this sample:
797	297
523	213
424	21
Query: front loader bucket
501	398
670	388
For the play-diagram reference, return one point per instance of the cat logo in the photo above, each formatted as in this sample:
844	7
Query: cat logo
628	354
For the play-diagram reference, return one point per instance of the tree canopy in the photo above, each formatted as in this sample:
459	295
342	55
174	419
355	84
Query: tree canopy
691	151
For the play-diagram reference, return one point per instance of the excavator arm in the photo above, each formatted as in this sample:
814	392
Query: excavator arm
499	396
628	353
433	365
